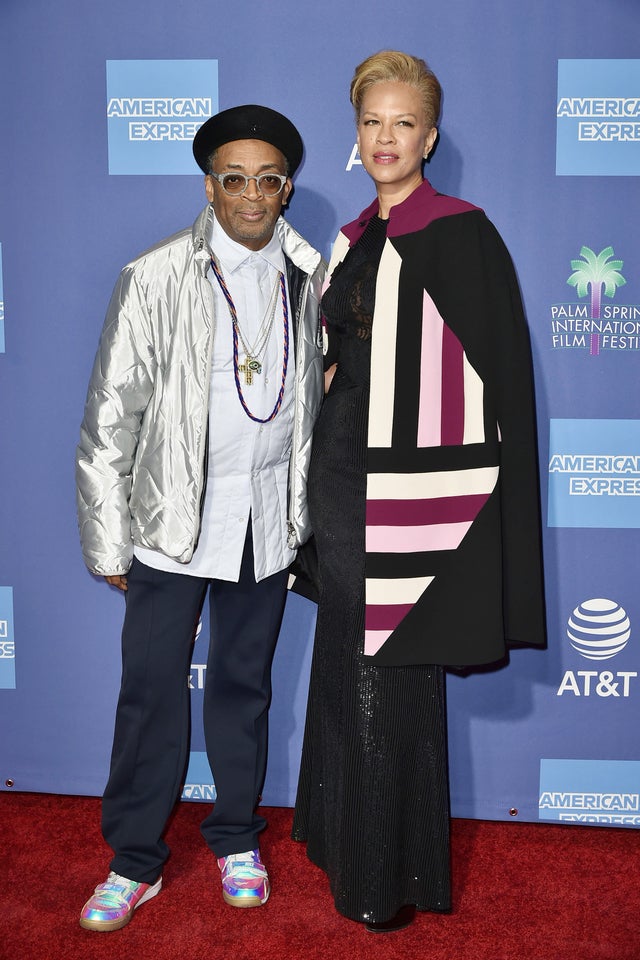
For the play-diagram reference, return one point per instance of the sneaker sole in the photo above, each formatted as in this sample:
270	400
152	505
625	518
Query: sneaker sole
106	926
244	902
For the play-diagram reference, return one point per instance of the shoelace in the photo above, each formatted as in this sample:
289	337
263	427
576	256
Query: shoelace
116	888
243	864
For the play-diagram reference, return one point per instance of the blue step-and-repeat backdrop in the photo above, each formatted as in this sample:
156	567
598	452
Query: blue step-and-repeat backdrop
541	128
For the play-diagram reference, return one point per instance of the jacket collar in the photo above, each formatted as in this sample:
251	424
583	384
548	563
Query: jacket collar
415	213
294	246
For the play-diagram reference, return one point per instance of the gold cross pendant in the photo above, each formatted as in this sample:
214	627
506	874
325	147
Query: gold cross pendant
249	367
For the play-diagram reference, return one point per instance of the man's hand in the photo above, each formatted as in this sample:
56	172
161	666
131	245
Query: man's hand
117	580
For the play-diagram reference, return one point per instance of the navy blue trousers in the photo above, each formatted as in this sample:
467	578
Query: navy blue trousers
152	730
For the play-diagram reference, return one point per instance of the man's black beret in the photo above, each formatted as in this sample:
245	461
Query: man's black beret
249	122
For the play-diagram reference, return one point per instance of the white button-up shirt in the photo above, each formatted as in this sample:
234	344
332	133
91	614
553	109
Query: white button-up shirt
248	461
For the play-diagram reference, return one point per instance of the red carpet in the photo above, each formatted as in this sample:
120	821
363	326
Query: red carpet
521	892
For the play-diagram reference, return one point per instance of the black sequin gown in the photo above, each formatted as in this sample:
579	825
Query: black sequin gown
372	803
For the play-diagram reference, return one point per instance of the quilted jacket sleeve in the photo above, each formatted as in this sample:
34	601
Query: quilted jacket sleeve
119	391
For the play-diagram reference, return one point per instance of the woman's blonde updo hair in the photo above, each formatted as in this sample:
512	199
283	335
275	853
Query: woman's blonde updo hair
396	67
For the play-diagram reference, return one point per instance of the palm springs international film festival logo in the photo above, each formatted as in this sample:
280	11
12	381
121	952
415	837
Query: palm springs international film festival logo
595	325
598	118
154	109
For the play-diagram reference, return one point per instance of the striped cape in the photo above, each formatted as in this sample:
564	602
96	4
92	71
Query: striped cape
453	555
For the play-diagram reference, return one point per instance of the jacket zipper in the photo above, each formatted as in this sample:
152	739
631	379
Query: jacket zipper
296	416
204	460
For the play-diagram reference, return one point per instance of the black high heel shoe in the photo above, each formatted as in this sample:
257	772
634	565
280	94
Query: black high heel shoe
403	918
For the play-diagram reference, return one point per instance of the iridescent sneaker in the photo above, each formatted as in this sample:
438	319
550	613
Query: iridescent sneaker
112	904
245	882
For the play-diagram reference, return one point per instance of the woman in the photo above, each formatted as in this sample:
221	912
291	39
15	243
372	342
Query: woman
424	503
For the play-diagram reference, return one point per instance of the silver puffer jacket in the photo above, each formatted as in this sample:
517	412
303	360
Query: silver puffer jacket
141	461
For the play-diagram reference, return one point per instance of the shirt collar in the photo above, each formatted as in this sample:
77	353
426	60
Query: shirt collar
232	254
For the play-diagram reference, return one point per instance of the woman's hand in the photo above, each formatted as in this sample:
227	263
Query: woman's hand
328	376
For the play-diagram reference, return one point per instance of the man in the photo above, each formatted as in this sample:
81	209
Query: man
191	478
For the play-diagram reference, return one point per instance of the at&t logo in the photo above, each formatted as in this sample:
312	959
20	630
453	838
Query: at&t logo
598	630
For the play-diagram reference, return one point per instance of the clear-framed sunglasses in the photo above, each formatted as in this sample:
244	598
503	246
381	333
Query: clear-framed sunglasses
235	184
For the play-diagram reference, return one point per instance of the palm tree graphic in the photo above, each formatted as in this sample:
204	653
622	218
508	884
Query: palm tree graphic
593	273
